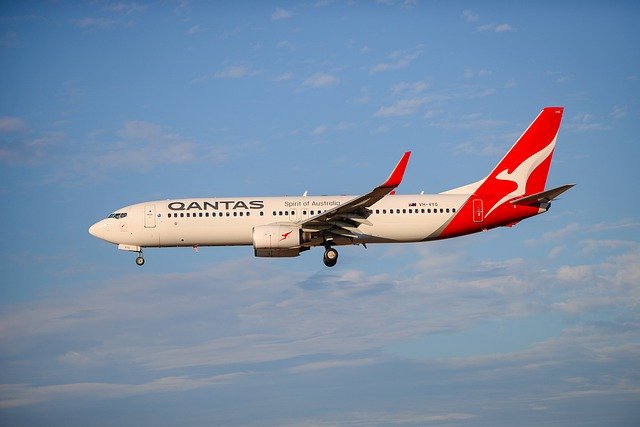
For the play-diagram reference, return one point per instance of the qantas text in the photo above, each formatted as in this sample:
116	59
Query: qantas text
216	205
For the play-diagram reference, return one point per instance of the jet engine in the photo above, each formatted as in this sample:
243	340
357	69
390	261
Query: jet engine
277	240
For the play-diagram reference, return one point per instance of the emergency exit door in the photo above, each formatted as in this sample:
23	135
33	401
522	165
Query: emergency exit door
478	212
150	216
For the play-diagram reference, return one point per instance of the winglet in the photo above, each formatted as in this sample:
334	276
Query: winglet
396	176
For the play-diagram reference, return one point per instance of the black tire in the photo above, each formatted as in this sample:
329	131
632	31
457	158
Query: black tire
140	261
330	257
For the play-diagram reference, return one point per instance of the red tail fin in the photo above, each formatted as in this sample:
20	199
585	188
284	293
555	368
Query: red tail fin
525	167
523	171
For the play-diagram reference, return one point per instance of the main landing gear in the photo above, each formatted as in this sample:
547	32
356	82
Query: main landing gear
330	257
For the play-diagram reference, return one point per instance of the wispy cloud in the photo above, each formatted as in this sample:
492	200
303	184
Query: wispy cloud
196	29
495	28
125	8
402	107
101	23
280	14
232	72
320	80
235	72
412	88
284	77
471	73
21	146
619	112
469	16
397	60
12	124
17	395
584	122
309	323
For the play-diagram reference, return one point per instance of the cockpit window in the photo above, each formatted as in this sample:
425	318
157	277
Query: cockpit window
118	215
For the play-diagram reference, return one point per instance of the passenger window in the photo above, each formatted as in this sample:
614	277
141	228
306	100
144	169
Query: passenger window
454	210
404	211
228	214
441	210
447	210
181	214
261	213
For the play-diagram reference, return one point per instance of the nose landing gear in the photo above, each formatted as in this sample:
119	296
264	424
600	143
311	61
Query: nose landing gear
140	259
330	257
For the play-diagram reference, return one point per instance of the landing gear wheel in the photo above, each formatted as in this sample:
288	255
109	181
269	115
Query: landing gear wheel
330	257
140	260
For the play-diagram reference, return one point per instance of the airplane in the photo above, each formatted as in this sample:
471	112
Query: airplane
287	226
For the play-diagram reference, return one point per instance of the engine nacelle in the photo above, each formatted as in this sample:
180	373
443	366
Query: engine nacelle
277	240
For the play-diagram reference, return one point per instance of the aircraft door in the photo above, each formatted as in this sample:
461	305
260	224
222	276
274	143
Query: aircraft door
150	216
478	213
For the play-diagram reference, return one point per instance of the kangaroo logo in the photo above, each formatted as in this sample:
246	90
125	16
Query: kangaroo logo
284	236
520	175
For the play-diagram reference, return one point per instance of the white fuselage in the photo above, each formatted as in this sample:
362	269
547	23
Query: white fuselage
230	221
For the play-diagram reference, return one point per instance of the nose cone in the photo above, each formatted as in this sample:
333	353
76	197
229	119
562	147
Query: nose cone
100	230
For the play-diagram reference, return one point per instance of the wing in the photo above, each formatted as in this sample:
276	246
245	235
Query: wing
343	220
542	197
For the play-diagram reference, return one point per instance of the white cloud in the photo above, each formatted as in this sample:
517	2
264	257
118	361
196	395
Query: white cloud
618	112
496	28
284	45
470	73
281	14
320	80
27	149
320	130
235	72
284	77
194	29
88	22
403	107
398	60
576	274
12	124
232	72
17	395
310	323
469	16
584	122
413	88
557	235
125	8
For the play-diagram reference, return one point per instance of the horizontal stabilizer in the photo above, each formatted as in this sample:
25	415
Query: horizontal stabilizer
542	197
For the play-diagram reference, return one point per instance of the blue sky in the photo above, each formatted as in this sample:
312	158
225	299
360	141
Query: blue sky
106	103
